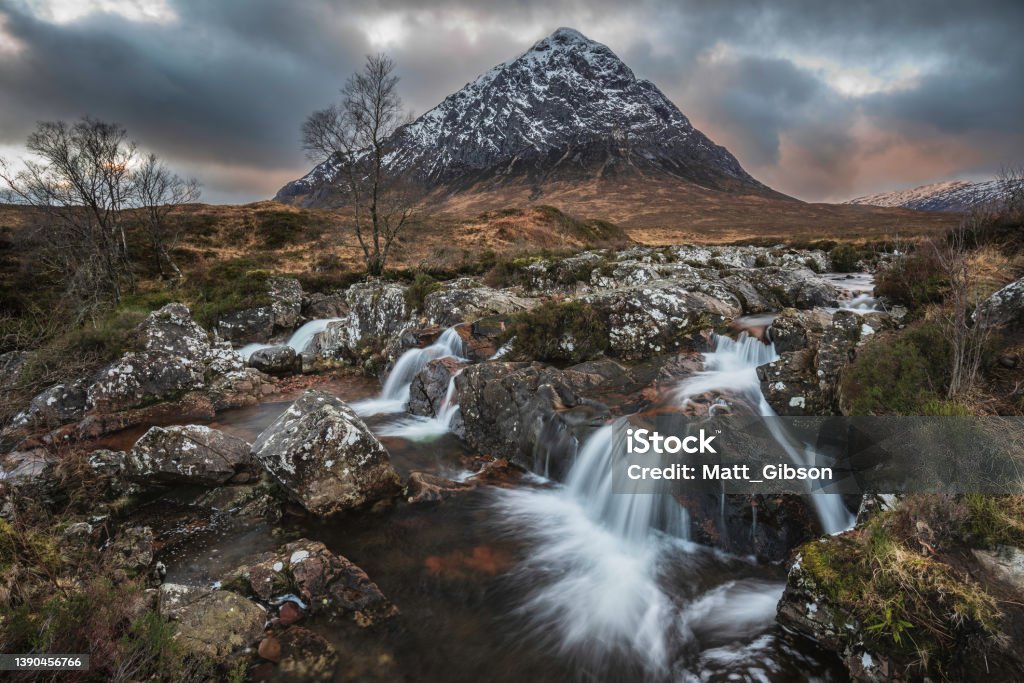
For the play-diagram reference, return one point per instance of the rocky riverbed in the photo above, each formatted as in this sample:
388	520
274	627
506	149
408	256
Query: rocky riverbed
296	521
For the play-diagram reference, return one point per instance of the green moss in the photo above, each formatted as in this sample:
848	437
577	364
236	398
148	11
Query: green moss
570	331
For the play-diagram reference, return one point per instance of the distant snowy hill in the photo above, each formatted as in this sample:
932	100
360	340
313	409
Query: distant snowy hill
955	195
567	110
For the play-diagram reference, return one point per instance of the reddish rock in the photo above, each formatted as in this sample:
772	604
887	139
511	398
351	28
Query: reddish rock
289	614
270	649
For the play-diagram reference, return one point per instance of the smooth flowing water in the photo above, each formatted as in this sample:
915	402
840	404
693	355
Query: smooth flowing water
300	340
537	580
395	394
732	367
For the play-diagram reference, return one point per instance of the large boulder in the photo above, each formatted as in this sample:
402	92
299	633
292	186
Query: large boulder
793	329
805	381
141	378
532	415
1005	307
377	312
193	454
259	324
325	456
211	623
325	582
767	527
466	300
317	305
657	318
791	286
276	360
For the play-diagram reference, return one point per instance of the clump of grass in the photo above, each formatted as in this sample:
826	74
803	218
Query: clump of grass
230	285
902	374
914	280
845	258
58	598
417	291
910	606
560	332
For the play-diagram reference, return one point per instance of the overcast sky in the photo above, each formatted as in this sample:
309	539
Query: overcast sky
821	100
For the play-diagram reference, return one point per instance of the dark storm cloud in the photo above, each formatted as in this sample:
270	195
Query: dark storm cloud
821	100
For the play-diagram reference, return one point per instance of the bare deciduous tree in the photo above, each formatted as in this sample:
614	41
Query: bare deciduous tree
157	192
353	134
83	181
967	335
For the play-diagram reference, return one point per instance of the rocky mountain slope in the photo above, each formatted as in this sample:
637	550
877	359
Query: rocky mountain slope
567	110
955	195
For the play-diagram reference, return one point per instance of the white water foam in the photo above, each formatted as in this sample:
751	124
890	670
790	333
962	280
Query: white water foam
395	394
732	367
300	339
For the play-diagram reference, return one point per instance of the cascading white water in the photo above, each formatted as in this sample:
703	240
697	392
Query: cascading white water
732	367
422	428
395	394
300	339
598	555
601	578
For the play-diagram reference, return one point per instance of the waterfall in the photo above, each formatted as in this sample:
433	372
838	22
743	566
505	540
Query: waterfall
422	428
395	394
300	339
732	367
600	555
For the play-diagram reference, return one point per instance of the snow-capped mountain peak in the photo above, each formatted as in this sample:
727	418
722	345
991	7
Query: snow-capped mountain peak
567	108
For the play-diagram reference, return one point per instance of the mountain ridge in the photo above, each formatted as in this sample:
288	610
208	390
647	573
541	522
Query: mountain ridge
948	196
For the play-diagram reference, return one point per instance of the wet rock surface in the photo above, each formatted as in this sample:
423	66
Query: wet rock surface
212	623
530	414
805	381
262	323
276	360
325	582
325	457
430	386
193	454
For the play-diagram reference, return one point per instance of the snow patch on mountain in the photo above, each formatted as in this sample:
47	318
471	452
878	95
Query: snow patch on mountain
954	195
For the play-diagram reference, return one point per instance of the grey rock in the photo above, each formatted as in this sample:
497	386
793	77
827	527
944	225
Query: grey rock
1005	307
261	323
276	360
142	378
377	312
466	300
657	318
430	386
325	457
193	454
532	415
